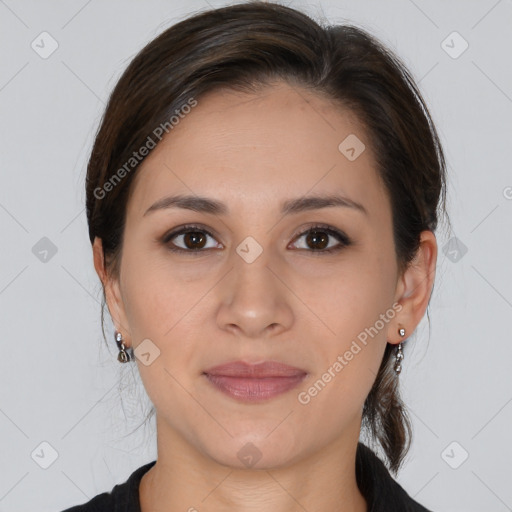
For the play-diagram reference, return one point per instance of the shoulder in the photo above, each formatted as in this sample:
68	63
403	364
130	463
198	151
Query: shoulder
124	497
381	491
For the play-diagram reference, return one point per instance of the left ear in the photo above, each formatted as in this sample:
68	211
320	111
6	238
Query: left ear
414	288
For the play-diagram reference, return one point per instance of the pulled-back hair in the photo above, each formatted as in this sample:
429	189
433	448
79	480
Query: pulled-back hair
246	46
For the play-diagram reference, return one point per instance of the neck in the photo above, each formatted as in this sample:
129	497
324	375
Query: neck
184	479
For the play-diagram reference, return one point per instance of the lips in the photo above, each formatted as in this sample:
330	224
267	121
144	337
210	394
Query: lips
254	382
260	370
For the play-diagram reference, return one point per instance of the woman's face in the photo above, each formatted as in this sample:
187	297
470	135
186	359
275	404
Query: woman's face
260	287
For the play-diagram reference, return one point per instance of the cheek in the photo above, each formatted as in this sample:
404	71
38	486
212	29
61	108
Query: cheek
146	303
355	298
358	310
158	309
163	308
152	295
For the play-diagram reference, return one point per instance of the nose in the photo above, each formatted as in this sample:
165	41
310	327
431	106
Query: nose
255	300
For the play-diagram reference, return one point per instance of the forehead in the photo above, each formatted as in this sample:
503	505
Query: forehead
255	150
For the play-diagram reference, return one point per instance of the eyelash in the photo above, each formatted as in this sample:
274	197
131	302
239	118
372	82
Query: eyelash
344	240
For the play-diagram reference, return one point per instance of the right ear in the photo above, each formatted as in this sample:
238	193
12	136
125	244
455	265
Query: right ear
112	290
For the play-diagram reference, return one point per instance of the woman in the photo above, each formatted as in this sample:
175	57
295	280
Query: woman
262	197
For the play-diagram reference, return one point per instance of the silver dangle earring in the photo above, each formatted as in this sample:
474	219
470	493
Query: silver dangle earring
123	356
399	354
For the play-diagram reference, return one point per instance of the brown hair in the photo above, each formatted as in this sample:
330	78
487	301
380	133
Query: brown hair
242	47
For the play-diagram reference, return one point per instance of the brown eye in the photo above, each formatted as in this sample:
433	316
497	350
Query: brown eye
194	240
189	239
317	239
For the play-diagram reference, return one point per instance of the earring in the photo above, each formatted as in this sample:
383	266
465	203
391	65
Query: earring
399	354
123	356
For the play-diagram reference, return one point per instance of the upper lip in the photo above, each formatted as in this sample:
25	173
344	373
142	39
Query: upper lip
261	370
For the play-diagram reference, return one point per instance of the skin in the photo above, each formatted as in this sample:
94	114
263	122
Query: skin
253	151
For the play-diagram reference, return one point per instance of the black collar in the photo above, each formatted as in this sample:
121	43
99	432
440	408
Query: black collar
381	491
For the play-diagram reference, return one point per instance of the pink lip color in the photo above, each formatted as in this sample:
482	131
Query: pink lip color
254	382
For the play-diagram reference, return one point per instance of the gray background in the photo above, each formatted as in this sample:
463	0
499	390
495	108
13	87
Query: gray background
60	383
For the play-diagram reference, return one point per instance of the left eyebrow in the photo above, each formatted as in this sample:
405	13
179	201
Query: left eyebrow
302	204
291	206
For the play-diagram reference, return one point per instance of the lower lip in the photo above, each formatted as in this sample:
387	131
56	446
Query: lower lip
254	389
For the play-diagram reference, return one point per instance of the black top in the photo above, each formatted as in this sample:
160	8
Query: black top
374	486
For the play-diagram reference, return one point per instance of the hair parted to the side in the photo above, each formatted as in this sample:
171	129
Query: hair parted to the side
246	46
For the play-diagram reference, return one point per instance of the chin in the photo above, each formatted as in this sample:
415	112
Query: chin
253	451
